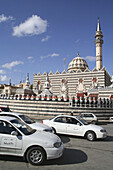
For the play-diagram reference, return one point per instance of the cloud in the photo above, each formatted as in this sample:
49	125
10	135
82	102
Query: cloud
90	58
30	58
3	18
4	78
32	26
49	55
54	55
46	38
12	64
77	41
18	71
2	72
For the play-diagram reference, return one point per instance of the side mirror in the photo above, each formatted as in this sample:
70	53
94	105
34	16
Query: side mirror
15	133
78	124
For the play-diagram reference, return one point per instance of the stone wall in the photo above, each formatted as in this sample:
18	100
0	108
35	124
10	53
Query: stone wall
46	107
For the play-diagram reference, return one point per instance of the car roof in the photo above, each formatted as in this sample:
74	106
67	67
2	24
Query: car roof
86	113
10	113
8	118
66	116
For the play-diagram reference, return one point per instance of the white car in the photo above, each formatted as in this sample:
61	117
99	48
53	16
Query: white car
89	117
111	119
18	139
33	124
71	125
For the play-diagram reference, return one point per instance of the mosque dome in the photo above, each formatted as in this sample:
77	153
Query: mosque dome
78	63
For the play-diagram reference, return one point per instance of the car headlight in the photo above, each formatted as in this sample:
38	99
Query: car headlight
57	144
103	130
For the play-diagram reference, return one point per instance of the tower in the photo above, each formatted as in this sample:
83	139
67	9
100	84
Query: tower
27	82
98	43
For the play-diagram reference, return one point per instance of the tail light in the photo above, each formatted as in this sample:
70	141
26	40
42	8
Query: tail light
42	121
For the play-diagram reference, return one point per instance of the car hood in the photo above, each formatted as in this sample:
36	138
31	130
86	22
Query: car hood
92	126
39	126
44	137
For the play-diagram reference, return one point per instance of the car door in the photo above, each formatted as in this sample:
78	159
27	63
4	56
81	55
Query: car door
89	117
59	124
74	127
9	143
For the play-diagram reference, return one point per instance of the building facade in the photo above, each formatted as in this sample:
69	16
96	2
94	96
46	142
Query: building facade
78	80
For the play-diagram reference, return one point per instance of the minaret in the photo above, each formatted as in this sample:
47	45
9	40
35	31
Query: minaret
27	83
98	43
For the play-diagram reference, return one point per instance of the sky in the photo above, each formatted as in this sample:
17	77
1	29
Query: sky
36	36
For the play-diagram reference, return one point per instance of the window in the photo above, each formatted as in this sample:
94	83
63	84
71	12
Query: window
5	109
6	128
60	119
88	115
72	121
26	119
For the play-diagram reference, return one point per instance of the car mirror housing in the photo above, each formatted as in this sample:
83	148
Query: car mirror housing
78	124
15	133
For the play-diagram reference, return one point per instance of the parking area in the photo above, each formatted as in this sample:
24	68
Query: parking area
79	154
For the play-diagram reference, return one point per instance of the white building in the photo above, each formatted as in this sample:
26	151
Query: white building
78	79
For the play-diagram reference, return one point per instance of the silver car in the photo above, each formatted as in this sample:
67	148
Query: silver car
89	117
18	139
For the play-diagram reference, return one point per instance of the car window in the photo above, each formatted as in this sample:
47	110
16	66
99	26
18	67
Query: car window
60	120
81	115
6	128
83	122
72	120
87	115
3	109
26	119
27	130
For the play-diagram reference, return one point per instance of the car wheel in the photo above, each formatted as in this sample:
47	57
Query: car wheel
90	136
54	130
36	156
93	122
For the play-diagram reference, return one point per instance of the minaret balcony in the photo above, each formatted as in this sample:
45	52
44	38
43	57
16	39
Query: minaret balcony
99	41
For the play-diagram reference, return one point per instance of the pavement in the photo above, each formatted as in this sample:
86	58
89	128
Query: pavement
79	154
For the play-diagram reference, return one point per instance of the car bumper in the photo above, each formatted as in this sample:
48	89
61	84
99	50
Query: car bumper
102	135
53	153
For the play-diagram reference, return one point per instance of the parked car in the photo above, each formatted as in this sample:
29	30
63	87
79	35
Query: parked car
71	125
4	109
28	121
18	139
111	119
88	117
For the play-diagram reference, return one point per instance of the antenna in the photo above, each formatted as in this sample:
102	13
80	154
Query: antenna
64	62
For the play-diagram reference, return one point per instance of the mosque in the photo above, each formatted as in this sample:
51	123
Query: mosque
73	91
78	80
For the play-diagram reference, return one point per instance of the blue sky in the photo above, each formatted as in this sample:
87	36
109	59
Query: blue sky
35	35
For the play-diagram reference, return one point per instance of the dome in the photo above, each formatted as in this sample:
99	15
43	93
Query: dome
77	63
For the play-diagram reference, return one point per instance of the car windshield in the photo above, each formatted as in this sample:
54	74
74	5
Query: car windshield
51	118
83	122
26	119
22	127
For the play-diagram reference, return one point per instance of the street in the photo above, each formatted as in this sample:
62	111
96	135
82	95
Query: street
79	154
